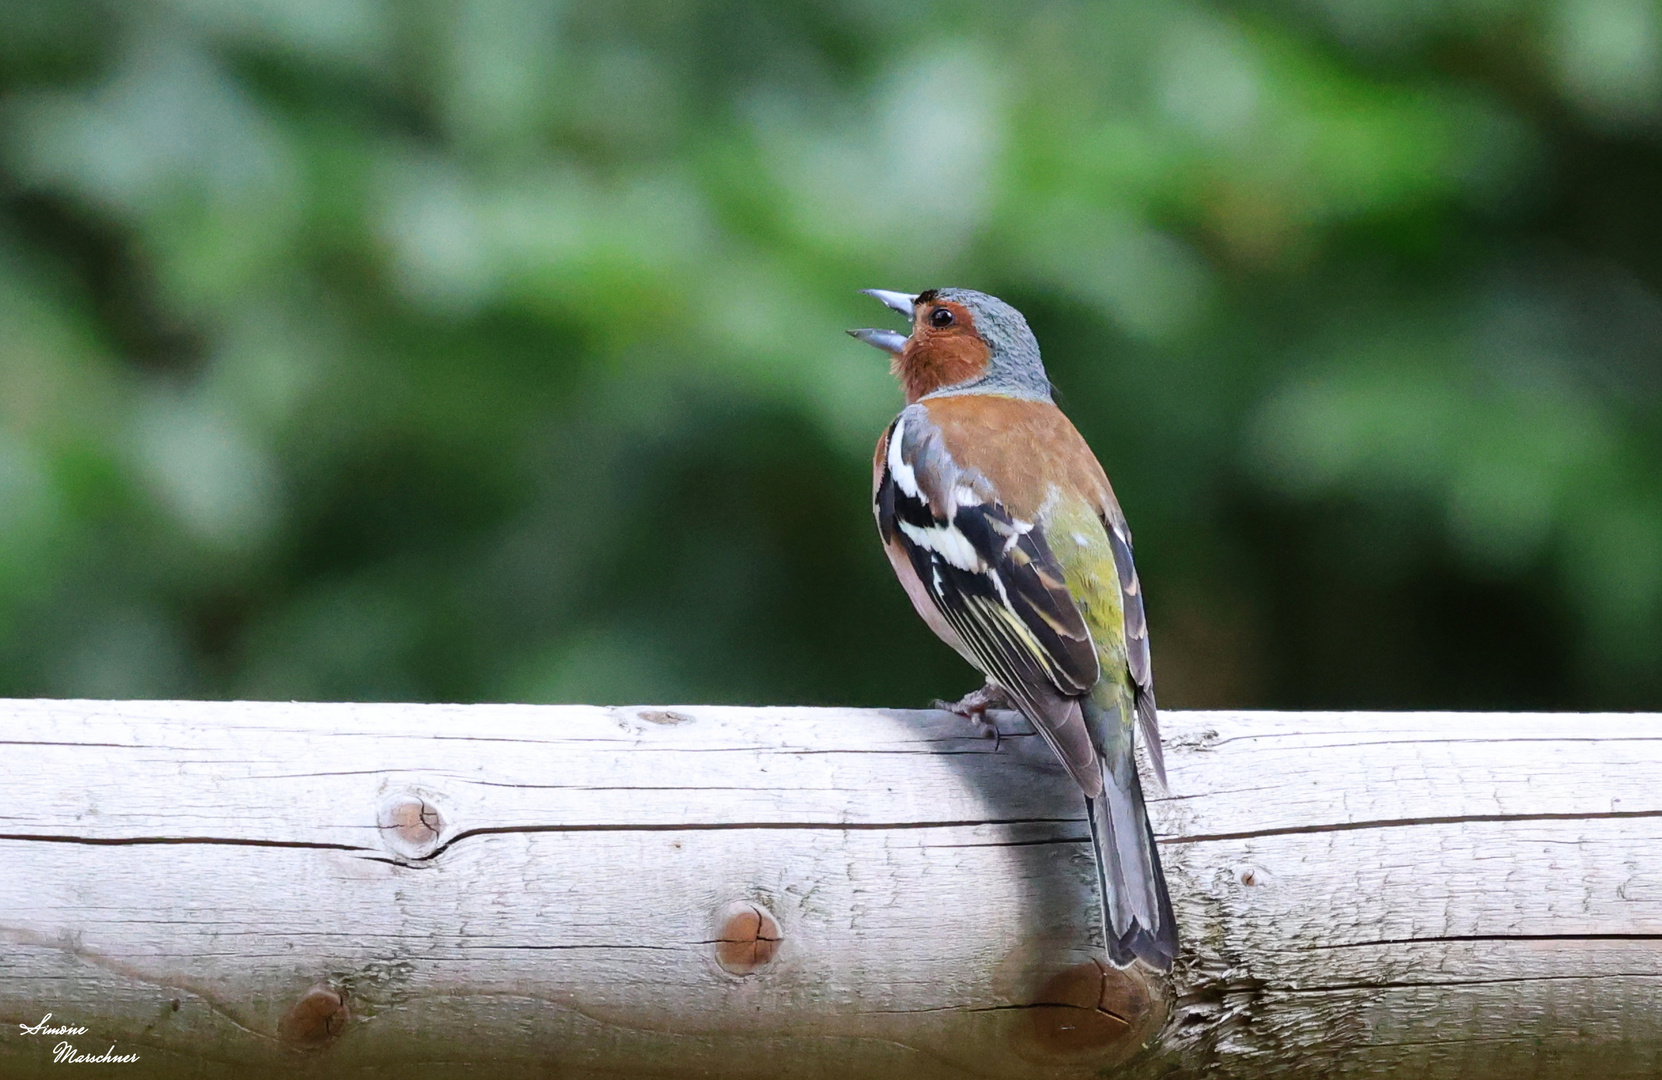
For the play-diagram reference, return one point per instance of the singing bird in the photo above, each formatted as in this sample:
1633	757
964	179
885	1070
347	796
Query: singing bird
1001	526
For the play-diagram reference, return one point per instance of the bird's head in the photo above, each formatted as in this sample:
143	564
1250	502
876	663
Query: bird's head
961	340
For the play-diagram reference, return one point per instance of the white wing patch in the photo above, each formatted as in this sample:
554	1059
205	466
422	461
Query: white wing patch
947	542
899	468
1012	531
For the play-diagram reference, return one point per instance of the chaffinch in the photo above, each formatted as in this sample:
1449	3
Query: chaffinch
1003	530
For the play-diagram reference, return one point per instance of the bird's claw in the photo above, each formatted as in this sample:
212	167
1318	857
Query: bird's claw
974	707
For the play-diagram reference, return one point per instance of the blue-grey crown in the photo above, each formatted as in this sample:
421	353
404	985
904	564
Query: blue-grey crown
1015	367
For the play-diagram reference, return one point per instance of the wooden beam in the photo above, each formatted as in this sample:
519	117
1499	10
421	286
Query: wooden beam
402	890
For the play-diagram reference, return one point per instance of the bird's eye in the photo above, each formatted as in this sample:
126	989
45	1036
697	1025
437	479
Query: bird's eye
940	317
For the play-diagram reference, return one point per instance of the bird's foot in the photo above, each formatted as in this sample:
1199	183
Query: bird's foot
975	705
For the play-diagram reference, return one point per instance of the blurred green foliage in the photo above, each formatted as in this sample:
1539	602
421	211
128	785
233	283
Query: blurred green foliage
491	349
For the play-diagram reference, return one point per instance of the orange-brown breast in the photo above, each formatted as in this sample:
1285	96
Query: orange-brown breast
1022	446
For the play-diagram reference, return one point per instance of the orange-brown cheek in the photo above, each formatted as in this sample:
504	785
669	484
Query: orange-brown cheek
940	360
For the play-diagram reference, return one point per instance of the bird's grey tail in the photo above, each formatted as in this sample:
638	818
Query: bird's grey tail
1136	910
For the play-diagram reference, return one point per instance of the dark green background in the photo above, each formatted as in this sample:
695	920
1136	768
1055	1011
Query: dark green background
493	350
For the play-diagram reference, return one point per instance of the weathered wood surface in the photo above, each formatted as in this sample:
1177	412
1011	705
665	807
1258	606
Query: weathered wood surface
400	891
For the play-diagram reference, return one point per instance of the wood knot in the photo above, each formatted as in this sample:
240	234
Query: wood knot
411	825
319	1016
664	716
1090	1007
747	939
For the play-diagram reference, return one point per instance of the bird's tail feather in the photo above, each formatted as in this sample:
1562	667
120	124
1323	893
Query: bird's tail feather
1136	910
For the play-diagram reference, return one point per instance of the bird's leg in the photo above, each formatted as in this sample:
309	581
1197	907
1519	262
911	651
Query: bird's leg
974	706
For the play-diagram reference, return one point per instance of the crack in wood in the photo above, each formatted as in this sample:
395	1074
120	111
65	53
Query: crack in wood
1018	843
1404	823
139	841
1441	742
106	745
1484	937
609	946
1340	988
739	826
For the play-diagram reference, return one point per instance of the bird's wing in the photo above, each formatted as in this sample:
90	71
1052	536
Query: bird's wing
994	580
1136	635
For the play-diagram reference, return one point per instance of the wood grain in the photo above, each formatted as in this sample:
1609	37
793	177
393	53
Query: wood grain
234	889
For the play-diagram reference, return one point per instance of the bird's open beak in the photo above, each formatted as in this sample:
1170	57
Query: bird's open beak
901	302
892	341
888	340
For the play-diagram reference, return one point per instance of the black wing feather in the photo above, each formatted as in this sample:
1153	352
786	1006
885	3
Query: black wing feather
1136	644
